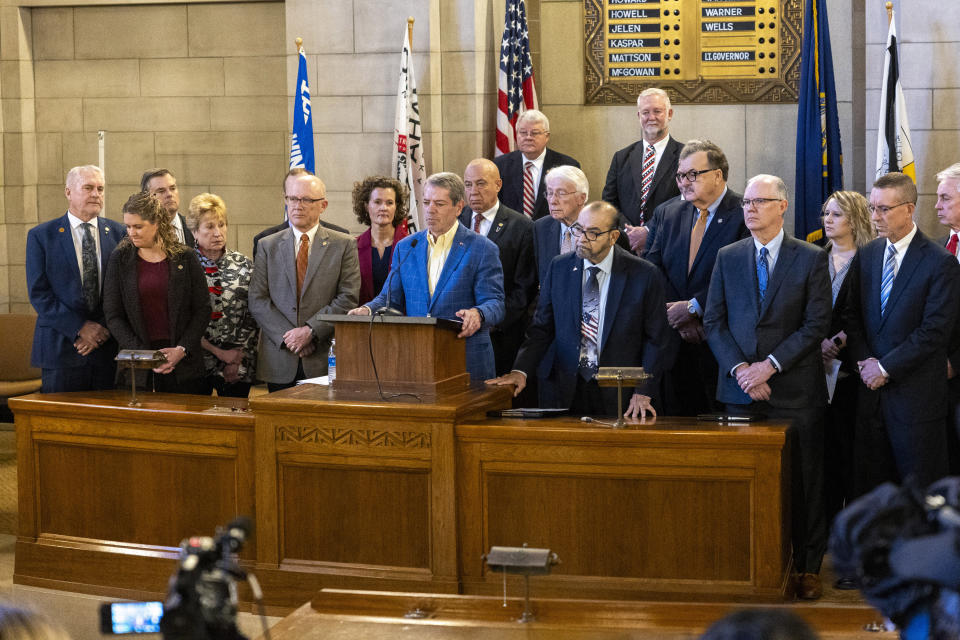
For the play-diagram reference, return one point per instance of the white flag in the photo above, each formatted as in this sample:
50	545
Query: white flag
894	149
407	143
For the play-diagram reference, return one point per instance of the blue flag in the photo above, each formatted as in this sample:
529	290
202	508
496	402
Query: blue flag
819	158
301	138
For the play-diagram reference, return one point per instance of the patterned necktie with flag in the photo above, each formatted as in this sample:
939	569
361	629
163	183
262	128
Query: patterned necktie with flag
515	88
407	153
301	138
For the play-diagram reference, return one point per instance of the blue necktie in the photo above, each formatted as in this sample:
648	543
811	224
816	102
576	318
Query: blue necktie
886	282
763	273
589	325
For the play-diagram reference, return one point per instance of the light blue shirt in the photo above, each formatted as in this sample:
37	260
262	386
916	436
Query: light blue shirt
603	279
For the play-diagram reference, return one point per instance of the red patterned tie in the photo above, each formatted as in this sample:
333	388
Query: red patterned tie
303	255
477	219
952	244
528	198
647	177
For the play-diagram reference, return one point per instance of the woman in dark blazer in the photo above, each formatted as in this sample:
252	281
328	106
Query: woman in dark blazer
380	203
155	296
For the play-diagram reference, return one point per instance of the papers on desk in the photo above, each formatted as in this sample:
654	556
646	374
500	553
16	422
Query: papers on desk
324	380
833	370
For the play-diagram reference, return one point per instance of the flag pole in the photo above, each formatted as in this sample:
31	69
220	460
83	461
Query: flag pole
889	6
410	32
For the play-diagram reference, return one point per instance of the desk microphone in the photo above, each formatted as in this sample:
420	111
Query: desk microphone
387	310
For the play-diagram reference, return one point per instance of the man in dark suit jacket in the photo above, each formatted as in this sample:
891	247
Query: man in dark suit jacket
685	248
768	308
628	330
533	133
948	212
451	273
513	235
292	173
899	334
71	343
624	186
161	184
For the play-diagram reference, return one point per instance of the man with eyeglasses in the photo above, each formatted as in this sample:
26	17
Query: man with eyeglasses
948	212
161	184
523	170
690	233
640	177
302	272
292	173
901	311
768	308
599	306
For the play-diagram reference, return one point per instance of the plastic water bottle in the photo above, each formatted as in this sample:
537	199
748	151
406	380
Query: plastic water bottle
332	362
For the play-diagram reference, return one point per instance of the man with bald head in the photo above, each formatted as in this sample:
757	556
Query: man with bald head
599	306
513	235
66	260
301	273
768	308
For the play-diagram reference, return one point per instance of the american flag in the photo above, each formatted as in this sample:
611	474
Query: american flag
515	90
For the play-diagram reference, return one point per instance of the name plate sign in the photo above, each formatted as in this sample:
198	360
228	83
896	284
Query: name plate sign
699	51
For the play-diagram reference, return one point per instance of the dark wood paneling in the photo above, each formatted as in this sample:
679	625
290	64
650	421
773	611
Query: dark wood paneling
625	527
358	516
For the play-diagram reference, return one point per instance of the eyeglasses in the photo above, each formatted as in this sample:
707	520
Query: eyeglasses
559	194
292	200
883	209
756	202
590	234
691	176
522	133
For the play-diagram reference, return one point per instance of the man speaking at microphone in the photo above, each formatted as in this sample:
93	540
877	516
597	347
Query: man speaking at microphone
448	272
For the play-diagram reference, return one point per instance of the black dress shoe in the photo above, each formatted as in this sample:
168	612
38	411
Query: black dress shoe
845	584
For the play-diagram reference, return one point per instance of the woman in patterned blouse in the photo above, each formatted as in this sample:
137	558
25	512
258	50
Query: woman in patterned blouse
230	343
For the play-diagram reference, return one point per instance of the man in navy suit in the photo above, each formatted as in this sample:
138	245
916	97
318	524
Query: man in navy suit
447	271
532	157
650	162
66	260
768	309
901	311
513	235
600	306
948	212
685	248
161	184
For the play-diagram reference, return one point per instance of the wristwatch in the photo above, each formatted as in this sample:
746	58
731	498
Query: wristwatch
692	310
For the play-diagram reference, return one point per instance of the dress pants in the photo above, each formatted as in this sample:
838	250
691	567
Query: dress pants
278	386
805	437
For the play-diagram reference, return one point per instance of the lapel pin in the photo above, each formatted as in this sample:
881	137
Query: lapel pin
180	267
106	229
719	220
499	226
324	243
60	229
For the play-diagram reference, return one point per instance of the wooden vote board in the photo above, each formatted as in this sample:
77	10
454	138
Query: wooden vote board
699	51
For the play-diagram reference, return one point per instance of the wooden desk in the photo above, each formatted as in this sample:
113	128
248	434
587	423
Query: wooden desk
354	492
673	509
107	491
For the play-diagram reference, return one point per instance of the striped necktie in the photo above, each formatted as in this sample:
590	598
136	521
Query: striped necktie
646	181
303	255
886	281
528	197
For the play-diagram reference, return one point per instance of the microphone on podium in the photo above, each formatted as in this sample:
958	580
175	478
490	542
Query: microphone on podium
387	310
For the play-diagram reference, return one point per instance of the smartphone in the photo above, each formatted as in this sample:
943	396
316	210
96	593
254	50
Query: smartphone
130	617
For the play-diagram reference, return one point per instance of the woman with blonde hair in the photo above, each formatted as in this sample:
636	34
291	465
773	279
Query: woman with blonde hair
230	342
155	296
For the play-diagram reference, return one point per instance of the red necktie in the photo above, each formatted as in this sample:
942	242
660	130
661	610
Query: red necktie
952	244
528	199
477	219
302	256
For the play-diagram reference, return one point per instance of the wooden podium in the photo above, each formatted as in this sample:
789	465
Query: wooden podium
411	355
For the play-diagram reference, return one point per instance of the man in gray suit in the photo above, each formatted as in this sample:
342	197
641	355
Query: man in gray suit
300	273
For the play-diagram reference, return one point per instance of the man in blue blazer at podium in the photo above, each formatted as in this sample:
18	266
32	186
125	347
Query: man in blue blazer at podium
66	260
447	271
